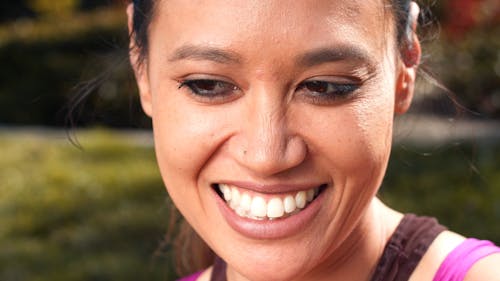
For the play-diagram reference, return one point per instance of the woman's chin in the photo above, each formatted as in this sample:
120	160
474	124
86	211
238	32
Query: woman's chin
269	260
271	267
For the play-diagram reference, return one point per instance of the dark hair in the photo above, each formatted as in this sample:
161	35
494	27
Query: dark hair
189	250
143	15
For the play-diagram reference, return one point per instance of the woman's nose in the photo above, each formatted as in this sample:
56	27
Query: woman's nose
266	143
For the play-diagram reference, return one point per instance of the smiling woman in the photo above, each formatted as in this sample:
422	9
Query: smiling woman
273	123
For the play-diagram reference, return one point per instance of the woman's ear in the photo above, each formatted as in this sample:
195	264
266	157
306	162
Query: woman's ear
410	59
139	67
404	90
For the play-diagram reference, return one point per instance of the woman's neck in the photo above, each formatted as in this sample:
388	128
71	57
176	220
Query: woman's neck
358	256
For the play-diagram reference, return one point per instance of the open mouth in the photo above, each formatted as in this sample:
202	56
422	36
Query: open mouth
266	207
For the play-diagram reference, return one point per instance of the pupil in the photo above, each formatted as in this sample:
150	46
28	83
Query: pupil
207	85
317	86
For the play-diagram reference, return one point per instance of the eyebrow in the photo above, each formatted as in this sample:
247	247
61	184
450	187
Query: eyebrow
307	59
193	52
333	54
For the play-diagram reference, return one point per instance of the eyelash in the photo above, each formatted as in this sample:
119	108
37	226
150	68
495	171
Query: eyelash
325	91
330	91
196	87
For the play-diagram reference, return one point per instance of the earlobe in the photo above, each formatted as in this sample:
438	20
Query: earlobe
140	72
410	56
404	90
405	84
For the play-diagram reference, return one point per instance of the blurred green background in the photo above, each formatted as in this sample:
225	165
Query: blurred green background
100	212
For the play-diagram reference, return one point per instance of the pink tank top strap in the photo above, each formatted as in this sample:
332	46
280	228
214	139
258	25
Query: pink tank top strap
462	258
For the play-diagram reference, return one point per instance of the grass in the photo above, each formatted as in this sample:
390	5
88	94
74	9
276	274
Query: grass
99	213
67	214
457	183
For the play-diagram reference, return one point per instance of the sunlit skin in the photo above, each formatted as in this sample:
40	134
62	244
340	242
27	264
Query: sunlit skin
271	123
268	132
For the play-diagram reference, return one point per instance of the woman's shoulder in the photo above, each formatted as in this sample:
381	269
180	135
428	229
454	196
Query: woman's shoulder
488	268
444	244
449	250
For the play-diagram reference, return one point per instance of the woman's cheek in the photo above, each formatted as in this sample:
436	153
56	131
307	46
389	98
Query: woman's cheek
184	139
183	144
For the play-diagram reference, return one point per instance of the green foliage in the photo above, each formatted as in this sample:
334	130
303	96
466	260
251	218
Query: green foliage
49	8
470	68
46	59
458	184
69	214
29	9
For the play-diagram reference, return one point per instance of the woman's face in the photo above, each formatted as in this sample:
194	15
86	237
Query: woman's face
258	105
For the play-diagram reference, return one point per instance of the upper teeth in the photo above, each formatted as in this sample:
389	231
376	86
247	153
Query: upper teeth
269	207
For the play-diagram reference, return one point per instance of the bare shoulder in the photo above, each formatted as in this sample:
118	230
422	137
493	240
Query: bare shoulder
487	268
205	276
435	255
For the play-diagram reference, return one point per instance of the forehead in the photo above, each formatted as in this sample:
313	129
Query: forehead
262	25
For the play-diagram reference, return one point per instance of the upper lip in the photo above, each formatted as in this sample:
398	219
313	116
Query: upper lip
273	188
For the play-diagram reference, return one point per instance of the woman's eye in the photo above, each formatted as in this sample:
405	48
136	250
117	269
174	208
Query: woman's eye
327	90
209	88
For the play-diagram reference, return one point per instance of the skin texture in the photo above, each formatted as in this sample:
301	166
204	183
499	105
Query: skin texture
270	131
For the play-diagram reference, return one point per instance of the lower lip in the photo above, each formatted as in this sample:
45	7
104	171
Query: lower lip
270	229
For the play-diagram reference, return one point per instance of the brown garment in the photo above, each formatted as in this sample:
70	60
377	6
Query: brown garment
405	249
401	255
219	270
